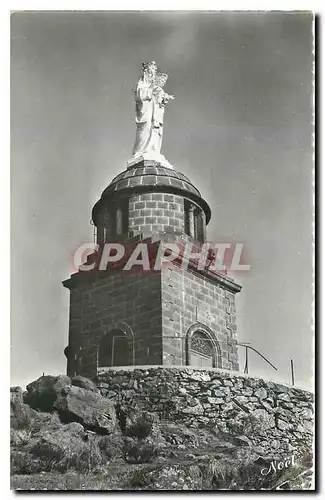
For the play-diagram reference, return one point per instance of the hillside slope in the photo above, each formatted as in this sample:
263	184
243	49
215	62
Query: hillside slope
65	435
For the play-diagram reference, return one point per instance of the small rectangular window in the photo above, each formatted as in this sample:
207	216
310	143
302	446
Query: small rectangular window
119	222
199	225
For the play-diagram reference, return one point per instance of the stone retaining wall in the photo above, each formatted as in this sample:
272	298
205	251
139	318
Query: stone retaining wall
275	418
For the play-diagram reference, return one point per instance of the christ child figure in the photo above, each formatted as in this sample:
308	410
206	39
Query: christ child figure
161	96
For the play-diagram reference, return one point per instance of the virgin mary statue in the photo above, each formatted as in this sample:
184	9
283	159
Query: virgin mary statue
150	102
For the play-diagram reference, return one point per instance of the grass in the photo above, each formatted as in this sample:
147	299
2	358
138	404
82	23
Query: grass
115	477
204	474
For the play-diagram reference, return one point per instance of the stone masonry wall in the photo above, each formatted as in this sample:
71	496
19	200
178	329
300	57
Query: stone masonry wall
159	309
275	418
97	305
152	212
190	299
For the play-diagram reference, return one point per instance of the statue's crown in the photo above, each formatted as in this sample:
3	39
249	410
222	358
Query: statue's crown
149	64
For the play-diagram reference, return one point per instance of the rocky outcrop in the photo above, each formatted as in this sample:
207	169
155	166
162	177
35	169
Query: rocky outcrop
65	437
76	400
84	383
20	413
42	393
16	395
173	429
56	448
90	409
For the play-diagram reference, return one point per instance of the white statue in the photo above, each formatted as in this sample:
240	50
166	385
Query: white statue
151	101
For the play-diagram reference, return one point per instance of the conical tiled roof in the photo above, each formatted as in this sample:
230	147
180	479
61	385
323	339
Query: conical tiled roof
151	176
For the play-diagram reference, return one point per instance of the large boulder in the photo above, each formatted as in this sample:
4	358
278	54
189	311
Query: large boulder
94	412
16	395
84	383
21	415
42	393
59	438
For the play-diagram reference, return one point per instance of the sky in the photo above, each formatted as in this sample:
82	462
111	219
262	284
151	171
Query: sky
240	128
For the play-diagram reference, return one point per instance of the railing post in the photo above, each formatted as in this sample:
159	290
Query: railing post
246	360
292	372
113	344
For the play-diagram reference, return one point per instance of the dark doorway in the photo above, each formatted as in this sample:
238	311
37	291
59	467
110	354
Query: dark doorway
114	349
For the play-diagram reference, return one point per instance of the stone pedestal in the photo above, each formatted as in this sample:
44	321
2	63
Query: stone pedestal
158	158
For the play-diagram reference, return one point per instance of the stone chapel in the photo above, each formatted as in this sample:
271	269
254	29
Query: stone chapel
171	316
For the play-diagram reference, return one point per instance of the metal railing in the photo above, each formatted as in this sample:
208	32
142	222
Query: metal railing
247	346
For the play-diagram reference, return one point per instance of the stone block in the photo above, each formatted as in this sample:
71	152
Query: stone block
151	204
157	197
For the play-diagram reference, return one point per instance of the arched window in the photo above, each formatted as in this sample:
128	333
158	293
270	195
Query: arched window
201	351
202	347
116	348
